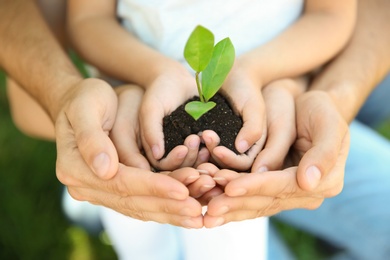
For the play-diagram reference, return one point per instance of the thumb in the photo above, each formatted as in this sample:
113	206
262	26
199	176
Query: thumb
99	153
327	149
91	122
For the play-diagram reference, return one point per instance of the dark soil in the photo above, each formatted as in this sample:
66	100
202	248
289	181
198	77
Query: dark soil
221	119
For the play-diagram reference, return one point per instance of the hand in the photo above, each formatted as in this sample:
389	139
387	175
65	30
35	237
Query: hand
87	163
322	142
202	187
163	96
246	98
279	97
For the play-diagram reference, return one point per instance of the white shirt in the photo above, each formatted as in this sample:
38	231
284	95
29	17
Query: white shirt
165	25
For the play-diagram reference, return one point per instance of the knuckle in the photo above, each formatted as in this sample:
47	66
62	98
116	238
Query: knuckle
75	194
315	204
334	191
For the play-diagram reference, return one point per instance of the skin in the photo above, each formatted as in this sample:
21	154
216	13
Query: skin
322	117
83	112
160	76
239	189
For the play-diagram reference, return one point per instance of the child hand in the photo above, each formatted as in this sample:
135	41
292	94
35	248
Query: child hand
279	97
125	132
167	92
201	186
245	96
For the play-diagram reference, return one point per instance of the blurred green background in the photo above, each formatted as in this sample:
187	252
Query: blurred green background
32	223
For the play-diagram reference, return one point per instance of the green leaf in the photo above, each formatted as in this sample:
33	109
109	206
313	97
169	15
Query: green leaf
199	48
219	67
197	108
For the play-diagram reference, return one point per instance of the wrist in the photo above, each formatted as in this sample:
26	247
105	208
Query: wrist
163	66
243	73
345	96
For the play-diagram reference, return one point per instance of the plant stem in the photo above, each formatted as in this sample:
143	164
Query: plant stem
199	87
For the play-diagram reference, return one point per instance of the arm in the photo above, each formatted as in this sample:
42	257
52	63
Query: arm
93	27
344	84
363	64
323	29
326	135
317	36
47	80
84	112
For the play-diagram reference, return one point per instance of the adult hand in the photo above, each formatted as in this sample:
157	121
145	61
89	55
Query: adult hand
322	143
87	163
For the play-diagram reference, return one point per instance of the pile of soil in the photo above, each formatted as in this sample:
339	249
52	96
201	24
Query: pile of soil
221	119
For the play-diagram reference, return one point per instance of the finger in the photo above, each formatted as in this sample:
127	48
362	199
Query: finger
328	135
281	128
151	127
88	126
203	157
224	157
188	207
173	160
192	142
273	184
254	123
208	196
208	168
264	205
125	131
186	213
186	177
131	181
223	209
204	184
224	176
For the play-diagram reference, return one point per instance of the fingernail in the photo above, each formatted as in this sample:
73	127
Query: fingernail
238	192
242	146
223	210
182	154
220	180
206	187
313	176
218	222
176	195
203	171
185	212
194	143
191	179
156	151
262	169
188	223
100	164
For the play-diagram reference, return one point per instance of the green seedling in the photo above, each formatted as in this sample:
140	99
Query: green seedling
211	64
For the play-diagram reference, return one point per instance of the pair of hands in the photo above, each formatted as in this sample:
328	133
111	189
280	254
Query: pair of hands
88	162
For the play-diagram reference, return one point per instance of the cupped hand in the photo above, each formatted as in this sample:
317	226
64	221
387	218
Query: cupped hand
87	163
167	92
319	155
244	93
279	97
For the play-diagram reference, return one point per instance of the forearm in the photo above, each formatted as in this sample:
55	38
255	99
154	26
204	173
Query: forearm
30	55
312	40
102	42
352	76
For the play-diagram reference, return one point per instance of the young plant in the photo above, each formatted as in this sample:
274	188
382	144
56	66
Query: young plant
211	65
